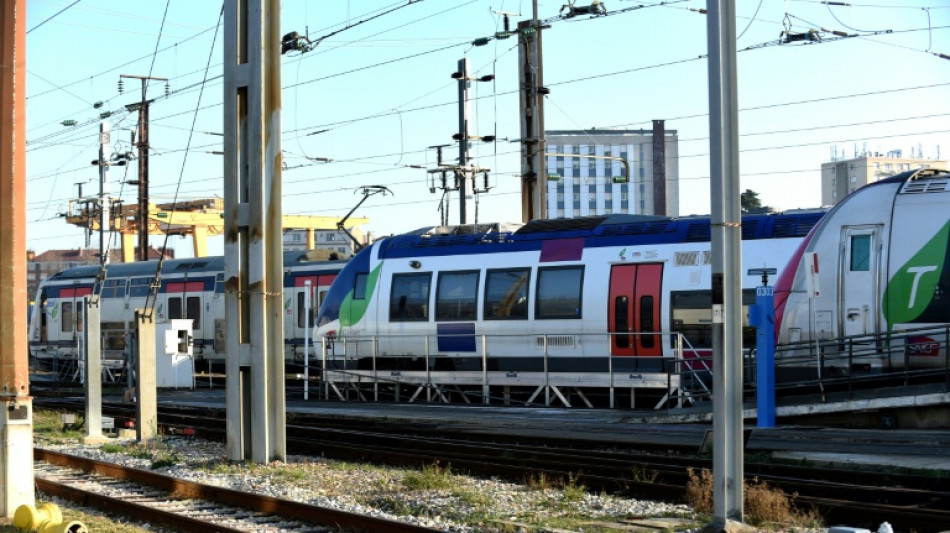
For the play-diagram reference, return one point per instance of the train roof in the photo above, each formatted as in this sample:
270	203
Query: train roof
601	230
912	176
191	265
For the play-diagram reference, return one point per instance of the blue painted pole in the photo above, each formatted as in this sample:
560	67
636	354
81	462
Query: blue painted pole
762	316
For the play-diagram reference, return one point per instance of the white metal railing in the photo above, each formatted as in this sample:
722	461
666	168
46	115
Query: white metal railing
351	359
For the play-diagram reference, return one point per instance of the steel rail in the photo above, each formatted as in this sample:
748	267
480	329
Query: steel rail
183	489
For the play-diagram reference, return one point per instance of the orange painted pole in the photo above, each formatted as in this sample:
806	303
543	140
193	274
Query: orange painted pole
16	418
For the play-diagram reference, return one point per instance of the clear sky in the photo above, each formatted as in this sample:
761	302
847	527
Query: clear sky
376	92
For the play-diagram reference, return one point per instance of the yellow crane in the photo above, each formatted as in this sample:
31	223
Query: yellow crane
197	218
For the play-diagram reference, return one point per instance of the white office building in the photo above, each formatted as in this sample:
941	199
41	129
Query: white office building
841	177
586	177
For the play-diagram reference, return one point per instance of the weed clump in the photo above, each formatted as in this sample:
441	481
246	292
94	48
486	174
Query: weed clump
763	505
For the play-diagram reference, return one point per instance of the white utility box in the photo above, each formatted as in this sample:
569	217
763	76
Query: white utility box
174	361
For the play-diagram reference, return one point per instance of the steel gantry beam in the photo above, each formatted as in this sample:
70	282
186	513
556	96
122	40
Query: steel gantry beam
198	219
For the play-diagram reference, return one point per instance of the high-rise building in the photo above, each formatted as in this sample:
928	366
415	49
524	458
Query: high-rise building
841	177
585	176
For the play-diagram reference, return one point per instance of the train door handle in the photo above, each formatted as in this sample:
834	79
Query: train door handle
854	314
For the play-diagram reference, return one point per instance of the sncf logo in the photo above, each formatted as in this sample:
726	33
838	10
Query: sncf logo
924	346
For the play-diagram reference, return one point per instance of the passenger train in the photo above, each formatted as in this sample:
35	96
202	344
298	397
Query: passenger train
189	288
876	266
557	294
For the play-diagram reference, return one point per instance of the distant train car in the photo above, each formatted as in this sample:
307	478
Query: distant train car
570	291
190	288
877	265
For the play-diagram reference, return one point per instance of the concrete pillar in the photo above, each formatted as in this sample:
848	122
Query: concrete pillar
146	396
93	359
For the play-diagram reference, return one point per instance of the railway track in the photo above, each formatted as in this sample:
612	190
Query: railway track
858	498
190	506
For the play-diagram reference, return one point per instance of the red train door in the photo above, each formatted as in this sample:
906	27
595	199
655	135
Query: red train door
634	307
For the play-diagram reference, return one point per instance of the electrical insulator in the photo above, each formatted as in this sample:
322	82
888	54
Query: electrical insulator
120	85
168	89
68	123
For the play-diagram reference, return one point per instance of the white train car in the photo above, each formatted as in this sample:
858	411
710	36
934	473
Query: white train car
875	268
189	288
567	295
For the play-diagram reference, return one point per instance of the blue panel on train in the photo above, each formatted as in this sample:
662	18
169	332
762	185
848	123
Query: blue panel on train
456	337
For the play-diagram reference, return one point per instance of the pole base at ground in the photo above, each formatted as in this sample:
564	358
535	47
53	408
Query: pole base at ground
726	526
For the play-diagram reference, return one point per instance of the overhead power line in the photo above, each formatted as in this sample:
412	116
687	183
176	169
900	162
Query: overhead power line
51	17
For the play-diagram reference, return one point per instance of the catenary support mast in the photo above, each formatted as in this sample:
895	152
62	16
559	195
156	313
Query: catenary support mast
726	264
253	259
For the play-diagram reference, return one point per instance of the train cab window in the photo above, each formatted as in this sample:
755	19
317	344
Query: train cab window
138	287
456	296
409	298
506	294
114	288
860	253
67	316
219	284
559	292
359	286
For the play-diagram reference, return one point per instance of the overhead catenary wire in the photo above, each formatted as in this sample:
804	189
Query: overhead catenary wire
397	110
153	292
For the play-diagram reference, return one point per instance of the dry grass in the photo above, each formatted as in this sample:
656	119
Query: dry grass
763	505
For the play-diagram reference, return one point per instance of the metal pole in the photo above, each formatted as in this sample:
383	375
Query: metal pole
142	146
726	264
533	178
466	199
105	154
306	341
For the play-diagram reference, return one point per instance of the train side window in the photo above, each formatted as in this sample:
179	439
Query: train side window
219	284
174	308
621	322
560	292
67	316
359	286
138	287
692	316
456	296
194	311
646	320
409	298
114	288
506	294
322	297
860	253
303	312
